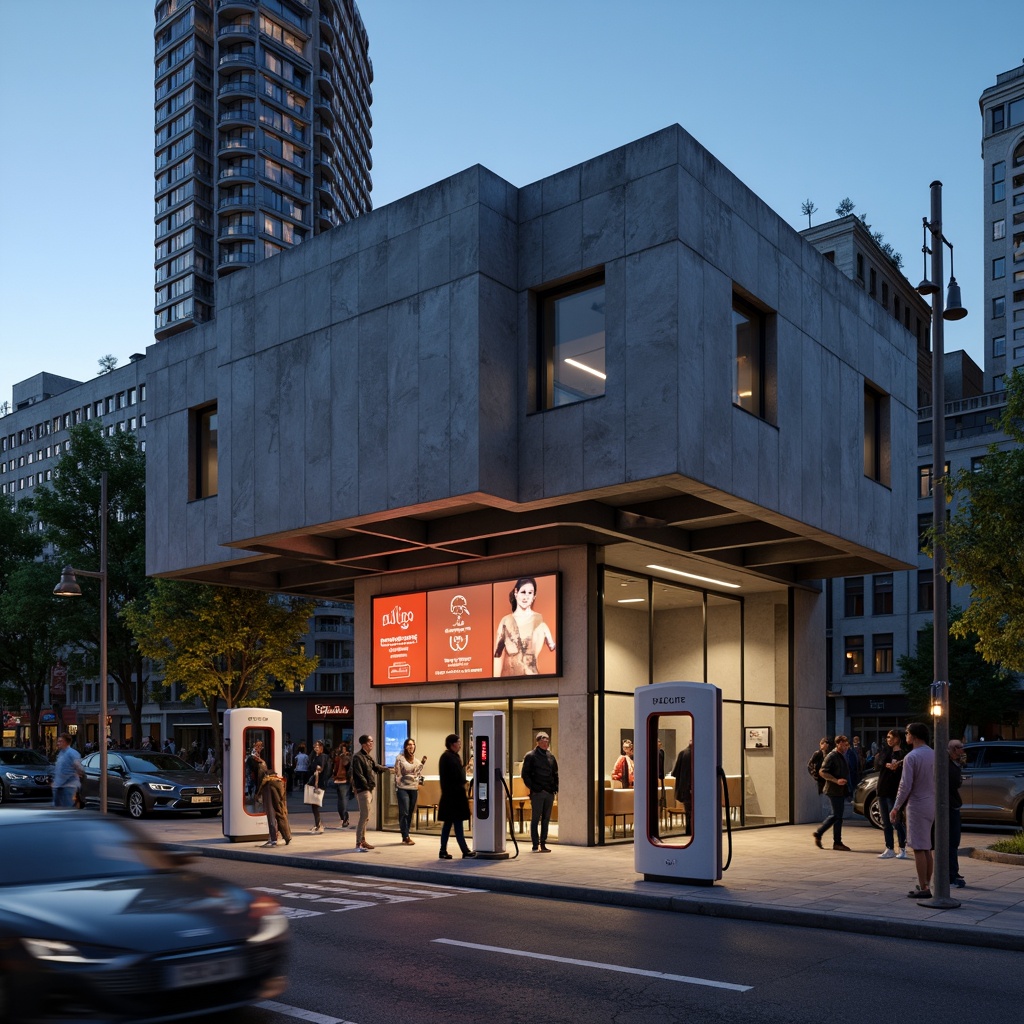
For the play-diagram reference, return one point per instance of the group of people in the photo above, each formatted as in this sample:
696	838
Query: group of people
905	790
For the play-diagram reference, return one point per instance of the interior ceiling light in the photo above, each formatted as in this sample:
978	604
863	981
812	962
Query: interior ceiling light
692	576
586	369
631	600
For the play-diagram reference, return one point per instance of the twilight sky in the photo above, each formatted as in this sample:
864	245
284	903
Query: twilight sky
800	99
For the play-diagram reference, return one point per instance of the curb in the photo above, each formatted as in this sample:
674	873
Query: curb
700	906
998	858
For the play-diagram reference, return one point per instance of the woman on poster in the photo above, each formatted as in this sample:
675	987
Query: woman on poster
521	633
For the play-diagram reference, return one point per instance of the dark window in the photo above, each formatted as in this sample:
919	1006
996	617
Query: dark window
998	268
853	595
204	447
925	591
881	595
572	343
854	660
876	435
999	181
751	357
998	116
882	648
924	524
872	281
1005	757
998	307
999	345
860	268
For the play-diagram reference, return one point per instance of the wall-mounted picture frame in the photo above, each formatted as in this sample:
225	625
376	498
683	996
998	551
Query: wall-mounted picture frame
757	737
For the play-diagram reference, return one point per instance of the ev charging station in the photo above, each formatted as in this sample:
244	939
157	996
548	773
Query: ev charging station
677	833
243	818
489	784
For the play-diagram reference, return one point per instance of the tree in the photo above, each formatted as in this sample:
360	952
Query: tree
985	541
106	364
807	207
845	207
979	692
223	645
69	512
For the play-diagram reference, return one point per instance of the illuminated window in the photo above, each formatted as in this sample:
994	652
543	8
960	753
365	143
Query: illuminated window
204	446
882	649
753	352
854	660
572	343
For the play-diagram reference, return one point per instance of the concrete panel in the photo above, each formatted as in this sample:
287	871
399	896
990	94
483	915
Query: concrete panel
347	432
403	265
742	259
563	242
718	379
652	153
531	253
243	328
746	450
317	306
403	392
499	247
270	416
690	365
465	385
345	288
691	210
267	328
604	226
815	423
652	210
434	358
372	405
563	449
603	173
318	429
291	297
560	190
434	241
373	276
465	247
498	389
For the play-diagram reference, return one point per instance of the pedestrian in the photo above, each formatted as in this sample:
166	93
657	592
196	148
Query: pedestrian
275	807
408	776
288	761
211	760
834	770
890	771
814	764
957	758
540	776
857	751
853	767
319	769
67	772
301	766
255	769
917	793
363	772
453	807
623	770
340	778
682	772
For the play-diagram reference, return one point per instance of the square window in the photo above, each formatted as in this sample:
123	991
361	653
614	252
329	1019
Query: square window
753	358
572	344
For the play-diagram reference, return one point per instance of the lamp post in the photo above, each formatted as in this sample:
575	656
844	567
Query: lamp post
68	587
953	310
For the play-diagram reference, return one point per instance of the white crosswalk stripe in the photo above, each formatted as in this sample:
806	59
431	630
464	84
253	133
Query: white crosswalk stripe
340	894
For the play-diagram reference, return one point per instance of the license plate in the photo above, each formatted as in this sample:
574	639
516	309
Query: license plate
206	972
201	799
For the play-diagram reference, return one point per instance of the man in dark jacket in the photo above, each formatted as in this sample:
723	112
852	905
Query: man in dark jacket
275	806
364	770
540	776
889	769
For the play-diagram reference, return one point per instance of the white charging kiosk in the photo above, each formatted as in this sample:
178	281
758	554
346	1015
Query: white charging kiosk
488	791
244	819
678	821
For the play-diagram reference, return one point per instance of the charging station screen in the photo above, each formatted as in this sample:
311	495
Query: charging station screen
484	631
670	809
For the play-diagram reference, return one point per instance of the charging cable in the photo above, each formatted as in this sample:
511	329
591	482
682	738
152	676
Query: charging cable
728	816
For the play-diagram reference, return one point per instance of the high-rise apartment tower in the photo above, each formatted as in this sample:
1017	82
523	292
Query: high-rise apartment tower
1002	149
262	137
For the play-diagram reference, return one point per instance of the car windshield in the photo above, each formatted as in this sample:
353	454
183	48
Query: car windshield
47	850
26	757
156	762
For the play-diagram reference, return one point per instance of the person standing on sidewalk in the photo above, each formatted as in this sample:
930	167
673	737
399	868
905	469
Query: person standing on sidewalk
319	769
288	761
834	770
408	775
815	762
275	807
342	763
957	758
364	780
67	772
917	792
453	807
540	776
890	771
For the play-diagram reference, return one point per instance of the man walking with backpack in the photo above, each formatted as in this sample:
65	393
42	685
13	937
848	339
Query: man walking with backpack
834	771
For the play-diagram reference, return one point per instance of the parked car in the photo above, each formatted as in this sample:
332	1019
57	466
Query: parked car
24	774
99	923
992	790
144	781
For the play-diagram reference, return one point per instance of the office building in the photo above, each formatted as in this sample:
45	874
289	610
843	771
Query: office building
629	393
262	138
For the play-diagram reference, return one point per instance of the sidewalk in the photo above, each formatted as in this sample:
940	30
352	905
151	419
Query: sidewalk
777	875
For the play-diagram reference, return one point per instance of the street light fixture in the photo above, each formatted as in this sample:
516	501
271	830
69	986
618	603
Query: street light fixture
68	587
940	651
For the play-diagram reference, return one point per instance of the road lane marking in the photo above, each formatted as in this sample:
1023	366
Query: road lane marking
684	979
296	1011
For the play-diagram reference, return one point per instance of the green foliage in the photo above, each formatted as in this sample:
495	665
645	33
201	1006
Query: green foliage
1012	844
845	207
979	693
223	645
985	542
69	510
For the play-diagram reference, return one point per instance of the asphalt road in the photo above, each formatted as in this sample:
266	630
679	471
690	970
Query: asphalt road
374	951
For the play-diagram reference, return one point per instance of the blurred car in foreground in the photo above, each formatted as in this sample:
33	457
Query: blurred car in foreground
98	923
144	781
992	790
24	774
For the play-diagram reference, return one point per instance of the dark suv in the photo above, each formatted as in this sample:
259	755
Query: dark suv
24	773
992	790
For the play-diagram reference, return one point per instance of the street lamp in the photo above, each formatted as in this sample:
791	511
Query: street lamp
954	310
68	587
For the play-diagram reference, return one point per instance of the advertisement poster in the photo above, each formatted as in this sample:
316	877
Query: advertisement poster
481	631
459	633
399	639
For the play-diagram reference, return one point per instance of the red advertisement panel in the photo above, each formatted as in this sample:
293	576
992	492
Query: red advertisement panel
459	633
399	639
525	619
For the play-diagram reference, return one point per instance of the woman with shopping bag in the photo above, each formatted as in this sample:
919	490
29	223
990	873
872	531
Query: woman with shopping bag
313	794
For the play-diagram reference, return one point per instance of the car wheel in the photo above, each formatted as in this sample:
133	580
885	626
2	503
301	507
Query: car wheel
135	804
873	813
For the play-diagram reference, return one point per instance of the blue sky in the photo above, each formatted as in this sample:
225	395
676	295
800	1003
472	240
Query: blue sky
800	99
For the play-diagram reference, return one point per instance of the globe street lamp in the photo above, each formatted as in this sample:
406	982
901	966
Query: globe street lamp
953	310
68	587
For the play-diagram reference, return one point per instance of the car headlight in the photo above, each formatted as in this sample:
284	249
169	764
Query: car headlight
15	776
160	787
272	922
64	952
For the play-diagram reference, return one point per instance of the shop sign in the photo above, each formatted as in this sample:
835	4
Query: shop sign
462	633
324	708
58	681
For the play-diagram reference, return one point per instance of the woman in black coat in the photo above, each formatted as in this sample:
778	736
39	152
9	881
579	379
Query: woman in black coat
319	773
453	807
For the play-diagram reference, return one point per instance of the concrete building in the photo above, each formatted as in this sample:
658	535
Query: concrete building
1002	151
262	137
631	382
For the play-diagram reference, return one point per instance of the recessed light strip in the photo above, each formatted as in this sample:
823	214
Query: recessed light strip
691	576
586	369
631	600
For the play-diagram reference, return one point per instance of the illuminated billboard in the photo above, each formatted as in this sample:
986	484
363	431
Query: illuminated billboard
480	631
